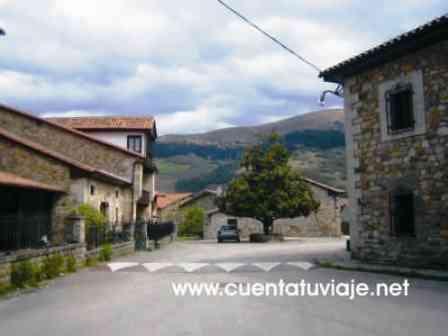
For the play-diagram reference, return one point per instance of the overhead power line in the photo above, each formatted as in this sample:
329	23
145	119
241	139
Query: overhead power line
271	37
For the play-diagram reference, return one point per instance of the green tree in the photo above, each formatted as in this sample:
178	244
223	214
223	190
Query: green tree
193	222
268	188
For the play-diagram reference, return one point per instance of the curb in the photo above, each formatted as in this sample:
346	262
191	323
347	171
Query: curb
426	274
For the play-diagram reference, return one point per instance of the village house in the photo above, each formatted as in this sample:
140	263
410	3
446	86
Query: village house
47	170
166	205
326	222
396	121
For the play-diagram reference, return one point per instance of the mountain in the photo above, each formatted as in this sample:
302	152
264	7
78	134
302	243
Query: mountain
195	161
325	120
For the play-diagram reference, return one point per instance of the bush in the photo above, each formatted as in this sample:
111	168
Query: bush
71	264
93	217
53	266
91	261
106	252
22	274
193	223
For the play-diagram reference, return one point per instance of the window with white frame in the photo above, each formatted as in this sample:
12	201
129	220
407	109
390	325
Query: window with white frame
402	111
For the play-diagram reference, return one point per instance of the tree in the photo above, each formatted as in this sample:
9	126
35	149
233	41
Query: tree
268	188
193	223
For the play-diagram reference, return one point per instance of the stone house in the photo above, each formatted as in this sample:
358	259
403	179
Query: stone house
47	170
136	134
325	223
166	205
396	121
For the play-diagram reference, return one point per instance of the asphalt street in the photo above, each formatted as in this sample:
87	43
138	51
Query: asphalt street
133	296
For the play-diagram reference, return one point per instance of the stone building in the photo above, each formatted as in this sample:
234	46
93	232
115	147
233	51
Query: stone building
325	223
166	205
396	113
136	134
48	170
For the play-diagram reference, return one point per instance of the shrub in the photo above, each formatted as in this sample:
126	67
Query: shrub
106	252
53	266
91	261
23	274
93	217
71	264
193	223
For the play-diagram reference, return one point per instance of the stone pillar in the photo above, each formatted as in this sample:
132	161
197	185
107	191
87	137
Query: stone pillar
76	232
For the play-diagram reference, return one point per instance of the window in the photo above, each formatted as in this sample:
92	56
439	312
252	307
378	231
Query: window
402	106
135	143
117	215
104	209
232	222
400	110
402	214
92	189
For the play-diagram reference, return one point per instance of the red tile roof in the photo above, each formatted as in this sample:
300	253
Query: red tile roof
11	180
70	130
62	158
107	123
164	200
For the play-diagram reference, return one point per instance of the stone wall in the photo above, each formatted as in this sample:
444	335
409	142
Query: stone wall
378	165
77	250
79	148
36	256
119	198
25	162
325	223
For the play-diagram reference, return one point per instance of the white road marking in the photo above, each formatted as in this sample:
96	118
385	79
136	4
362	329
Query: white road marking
191	267
229	267
119	266
303	265
267	267
154	267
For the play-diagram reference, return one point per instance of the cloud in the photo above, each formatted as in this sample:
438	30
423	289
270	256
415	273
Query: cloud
194	65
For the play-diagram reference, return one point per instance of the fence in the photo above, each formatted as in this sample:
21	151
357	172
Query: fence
158	231
99	235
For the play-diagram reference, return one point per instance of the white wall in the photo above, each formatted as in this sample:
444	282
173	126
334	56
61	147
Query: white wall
119	139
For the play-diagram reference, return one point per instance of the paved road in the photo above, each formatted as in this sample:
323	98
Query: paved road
137	301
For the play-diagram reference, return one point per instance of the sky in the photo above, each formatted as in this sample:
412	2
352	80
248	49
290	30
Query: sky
191	64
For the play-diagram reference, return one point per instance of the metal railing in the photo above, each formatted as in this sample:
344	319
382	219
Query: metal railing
99	235
158	231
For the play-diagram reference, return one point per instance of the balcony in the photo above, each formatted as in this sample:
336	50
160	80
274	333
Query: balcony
149	166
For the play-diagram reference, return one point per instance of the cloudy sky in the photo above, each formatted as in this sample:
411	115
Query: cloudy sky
191	63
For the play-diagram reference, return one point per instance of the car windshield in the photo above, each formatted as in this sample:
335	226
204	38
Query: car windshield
228	228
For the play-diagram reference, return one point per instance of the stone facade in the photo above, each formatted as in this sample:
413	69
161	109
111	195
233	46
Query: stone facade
325	223
85	169
379	165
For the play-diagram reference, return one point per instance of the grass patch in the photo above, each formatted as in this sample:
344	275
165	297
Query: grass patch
6	289
170	168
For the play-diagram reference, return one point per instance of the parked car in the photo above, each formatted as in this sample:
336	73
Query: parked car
227	232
